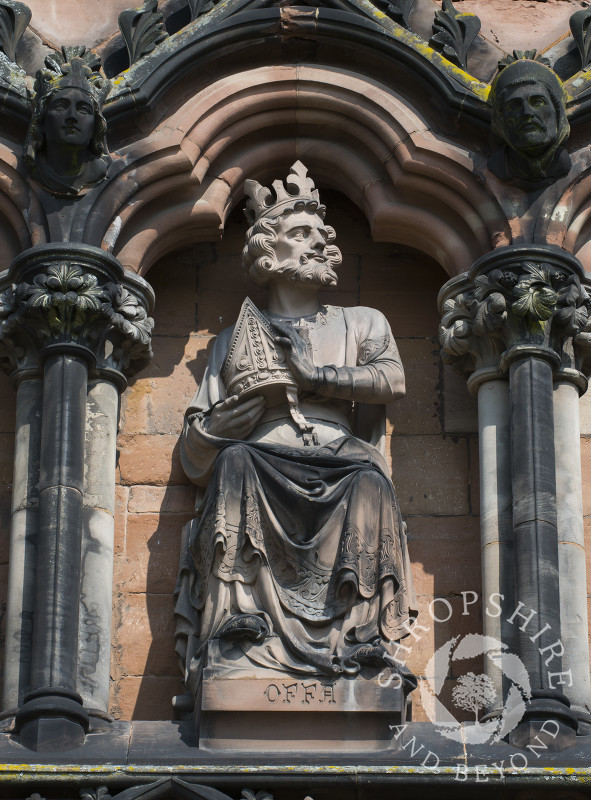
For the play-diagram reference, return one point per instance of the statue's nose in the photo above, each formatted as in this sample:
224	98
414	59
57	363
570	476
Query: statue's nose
317	241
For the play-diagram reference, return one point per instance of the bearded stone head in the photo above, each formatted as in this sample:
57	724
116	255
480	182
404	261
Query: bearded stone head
296	245
529	116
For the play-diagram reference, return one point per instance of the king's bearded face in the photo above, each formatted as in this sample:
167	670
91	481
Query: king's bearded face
304	251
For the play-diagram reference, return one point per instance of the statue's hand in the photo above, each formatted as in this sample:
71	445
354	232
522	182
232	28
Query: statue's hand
303	370
233	419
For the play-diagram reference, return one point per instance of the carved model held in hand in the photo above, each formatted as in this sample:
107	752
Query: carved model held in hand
298	560
528	114
66	148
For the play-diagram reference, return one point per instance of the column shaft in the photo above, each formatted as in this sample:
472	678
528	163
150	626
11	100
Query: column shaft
23	538
496	514
571	546
96	601
53	693
534	512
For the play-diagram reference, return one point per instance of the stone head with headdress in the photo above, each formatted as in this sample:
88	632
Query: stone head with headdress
271	250
72	79
529	116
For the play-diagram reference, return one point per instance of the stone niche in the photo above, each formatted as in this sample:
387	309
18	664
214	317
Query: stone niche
431	445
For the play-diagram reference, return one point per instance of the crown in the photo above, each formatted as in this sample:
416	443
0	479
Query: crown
73	68
264	202
522	55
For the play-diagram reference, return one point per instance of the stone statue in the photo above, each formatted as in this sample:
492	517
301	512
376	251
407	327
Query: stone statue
529	116
66	148
297	561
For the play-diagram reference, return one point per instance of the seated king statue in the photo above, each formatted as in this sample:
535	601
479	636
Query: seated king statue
297	562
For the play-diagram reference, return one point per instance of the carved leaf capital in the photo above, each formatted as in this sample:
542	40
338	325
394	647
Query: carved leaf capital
66	304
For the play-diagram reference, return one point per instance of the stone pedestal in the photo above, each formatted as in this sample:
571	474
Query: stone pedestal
262	710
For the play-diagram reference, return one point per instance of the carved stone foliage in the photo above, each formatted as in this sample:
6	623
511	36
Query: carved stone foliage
526	303
142	28
453	33
199	7
67	302
397	10
579	25
14	18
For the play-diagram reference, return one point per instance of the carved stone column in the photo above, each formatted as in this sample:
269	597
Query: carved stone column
524	307
73	315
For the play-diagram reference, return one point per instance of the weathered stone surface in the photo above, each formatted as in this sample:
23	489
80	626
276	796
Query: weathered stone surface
67	21
6	456
439	570
418	411
175	281
585	413
152	553
5	501
146	636
156	401
150	459
8	405
121	500
586	474
438	482
148	697
460	408
161	499
519	24
400	285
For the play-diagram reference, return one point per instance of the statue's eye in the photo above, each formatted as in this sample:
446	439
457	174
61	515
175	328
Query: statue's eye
538	101
82	108
512	105
59	105
300	234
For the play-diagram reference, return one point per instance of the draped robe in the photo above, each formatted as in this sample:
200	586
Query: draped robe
309	539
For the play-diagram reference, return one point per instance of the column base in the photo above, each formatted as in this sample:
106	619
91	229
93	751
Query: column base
548	723
52	719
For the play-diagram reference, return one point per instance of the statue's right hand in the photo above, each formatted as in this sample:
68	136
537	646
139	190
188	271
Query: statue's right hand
233	419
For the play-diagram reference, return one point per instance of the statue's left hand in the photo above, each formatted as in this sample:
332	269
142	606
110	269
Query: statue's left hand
303	370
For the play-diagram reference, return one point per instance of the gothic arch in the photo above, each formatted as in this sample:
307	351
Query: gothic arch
356	136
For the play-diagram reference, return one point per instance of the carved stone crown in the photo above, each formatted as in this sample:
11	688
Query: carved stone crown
265	202
73	68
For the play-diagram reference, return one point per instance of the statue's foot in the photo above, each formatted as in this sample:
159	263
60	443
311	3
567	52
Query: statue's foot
365	655
244	626
374	654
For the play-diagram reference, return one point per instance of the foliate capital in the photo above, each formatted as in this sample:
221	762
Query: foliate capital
517	301
73	297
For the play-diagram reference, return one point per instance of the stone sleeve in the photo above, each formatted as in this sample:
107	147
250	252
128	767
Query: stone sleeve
378	375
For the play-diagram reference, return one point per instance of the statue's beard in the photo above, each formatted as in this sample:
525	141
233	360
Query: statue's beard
311	270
